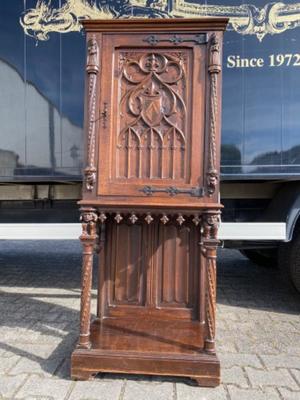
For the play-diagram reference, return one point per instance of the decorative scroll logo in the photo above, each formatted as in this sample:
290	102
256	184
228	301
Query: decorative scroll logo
246	19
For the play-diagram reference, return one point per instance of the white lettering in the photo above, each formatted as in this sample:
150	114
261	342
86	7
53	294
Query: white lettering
238	62
230	61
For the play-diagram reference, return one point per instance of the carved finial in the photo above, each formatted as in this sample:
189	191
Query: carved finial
148	218
102	217
180	219
92	64
90	177
118	218
164	219
133	218
214	59
212	181
196	220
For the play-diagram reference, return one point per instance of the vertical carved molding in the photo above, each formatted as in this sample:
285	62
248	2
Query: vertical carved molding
88	239
92	70
210	224
214	70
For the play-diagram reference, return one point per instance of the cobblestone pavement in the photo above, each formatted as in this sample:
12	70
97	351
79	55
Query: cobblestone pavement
258	328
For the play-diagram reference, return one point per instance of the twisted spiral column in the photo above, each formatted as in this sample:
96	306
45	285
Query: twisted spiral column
209	251
88	240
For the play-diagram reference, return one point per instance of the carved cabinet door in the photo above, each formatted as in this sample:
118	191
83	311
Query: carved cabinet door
152	117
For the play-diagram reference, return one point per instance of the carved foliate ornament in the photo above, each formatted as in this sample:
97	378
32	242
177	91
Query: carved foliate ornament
133	218
180	219
148	218
196	220
102	217
118	218
164	219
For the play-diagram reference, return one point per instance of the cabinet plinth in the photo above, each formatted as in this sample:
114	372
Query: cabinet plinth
150	204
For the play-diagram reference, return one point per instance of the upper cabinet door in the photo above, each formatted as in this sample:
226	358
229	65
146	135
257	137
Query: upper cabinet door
153	101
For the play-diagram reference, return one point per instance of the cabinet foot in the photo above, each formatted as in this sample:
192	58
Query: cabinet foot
82	375
206	381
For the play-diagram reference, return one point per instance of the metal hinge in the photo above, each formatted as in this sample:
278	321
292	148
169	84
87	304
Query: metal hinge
173	191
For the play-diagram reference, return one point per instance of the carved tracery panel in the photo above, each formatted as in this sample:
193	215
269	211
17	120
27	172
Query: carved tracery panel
152	137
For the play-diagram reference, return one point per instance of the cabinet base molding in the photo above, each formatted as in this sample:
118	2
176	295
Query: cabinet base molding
120	352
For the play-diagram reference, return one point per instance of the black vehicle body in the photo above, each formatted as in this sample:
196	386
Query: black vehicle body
42	55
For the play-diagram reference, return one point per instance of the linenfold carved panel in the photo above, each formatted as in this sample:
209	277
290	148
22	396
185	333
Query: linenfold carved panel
177	266
152	137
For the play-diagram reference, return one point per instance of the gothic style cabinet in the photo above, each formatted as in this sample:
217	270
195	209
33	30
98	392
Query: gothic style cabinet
150	204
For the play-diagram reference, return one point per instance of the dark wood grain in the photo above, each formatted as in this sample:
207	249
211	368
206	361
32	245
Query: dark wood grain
150	204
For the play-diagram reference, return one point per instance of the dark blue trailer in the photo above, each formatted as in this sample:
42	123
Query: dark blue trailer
42	53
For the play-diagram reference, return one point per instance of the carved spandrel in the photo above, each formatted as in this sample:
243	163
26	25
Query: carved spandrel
152	141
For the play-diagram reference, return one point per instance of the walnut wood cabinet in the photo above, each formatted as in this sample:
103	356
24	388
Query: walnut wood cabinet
150	205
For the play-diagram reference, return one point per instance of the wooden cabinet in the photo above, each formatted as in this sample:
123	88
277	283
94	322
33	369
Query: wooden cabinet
150	204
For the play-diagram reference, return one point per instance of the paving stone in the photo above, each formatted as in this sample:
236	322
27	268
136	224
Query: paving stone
296	374
36	387
10	384
43	351
280	377
7	363
288	394
281	360
293	350
234	375
244	344
226	346
252	394
96	390
279	316
37	365
143	390
229	360
277	326
186	392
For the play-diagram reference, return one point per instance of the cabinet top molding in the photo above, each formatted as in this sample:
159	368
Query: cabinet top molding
168	25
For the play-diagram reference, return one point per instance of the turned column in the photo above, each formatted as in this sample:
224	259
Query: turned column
209	244
88	239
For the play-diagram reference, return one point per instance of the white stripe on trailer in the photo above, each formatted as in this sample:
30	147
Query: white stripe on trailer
228	231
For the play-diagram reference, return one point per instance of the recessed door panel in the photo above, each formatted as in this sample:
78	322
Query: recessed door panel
152	130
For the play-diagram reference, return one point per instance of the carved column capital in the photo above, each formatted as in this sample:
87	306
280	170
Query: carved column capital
88	218
210	224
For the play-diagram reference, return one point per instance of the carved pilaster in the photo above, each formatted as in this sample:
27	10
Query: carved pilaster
92	69
214	69
209	244
88	239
